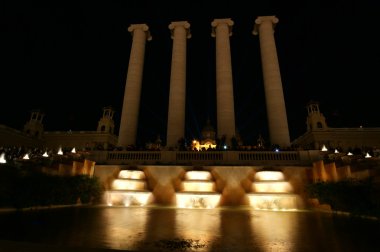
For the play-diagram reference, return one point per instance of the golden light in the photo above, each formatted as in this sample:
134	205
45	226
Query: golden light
269	175
273	187
130	198
207	145
349	154
198	175
197	186
277	202
270	191
126	184
324	148
197	145
198	191
131	174
368	155
60	152
26	156
73	150
192	200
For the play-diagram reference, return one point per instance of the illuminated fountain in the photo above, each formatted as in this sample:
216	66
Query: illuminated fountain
270	191
198	190
129	189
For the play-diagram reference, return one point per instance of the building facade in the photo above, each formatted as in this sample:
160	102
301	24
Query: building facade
34	136
319	134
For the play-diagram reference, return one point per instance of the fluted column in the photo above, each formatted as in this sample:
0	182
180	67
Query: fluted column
275	103
180	31
222	30
132	92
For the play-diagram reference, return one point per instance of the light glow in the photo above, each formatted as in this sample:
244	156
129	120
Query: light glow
60	152
368	155
270	191
130	198
269	176
198	186
278	202
26	156
128	184
73	150
2	158
197	200
198	146
349	154
198	191
131	174
45	154
324	148
198	175
278	187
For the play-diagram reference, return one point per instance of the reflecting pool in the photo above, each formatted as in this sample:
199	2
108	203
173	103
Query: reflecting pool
178	229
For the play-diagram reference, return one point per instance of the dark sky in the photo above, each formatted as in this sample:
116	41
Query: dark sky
70	60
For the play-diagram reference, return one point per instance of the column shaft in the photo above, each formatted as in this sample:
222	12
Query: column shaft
177	94
275	102
224	81
132	93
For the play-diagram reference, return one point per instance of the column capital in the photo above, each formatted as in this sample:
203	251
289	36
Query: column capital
262	19
183	24
216	22
143	27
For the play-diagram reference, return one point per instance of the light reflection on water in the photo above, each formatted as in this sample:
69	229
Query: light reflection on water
219	229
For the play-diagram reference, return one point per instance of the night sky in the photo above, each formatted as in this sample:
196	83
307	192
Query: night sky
70	60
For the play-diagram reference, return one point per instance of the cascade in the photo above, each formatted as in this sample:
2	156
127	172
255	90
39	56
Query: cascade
129	189
198	190
270	191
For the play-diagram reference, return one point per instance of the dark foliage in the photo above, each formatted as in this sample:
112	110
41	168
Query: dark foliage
21	188
359	197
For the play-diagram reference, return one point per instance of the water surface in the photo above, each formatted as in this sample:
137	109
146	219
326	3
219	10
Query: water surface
174	229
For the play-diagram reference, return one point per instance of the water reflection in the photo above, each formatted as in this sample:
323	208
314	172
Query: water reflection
219	229
160	225
275	231
235	231
124	229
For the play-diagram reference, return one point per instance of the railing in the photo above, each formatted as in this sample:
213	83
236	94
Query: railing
206	158
133	156
189	156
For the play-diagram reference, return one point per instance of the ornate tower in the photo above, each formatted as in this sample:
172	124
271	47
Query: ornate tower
34	126
315	119
106	124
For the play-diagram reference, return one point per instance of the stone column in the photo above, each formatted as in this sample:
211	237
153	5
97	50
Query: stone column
275	103
222	30
131	103
180	31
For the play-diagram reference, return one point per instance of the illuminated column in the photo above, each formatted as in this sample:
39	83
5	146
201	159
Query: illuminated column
131	103
275	103
177	97
222	30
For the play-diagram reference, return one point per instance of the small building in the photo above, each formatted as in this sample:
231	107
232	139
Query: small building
34	136
208	138
319	134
